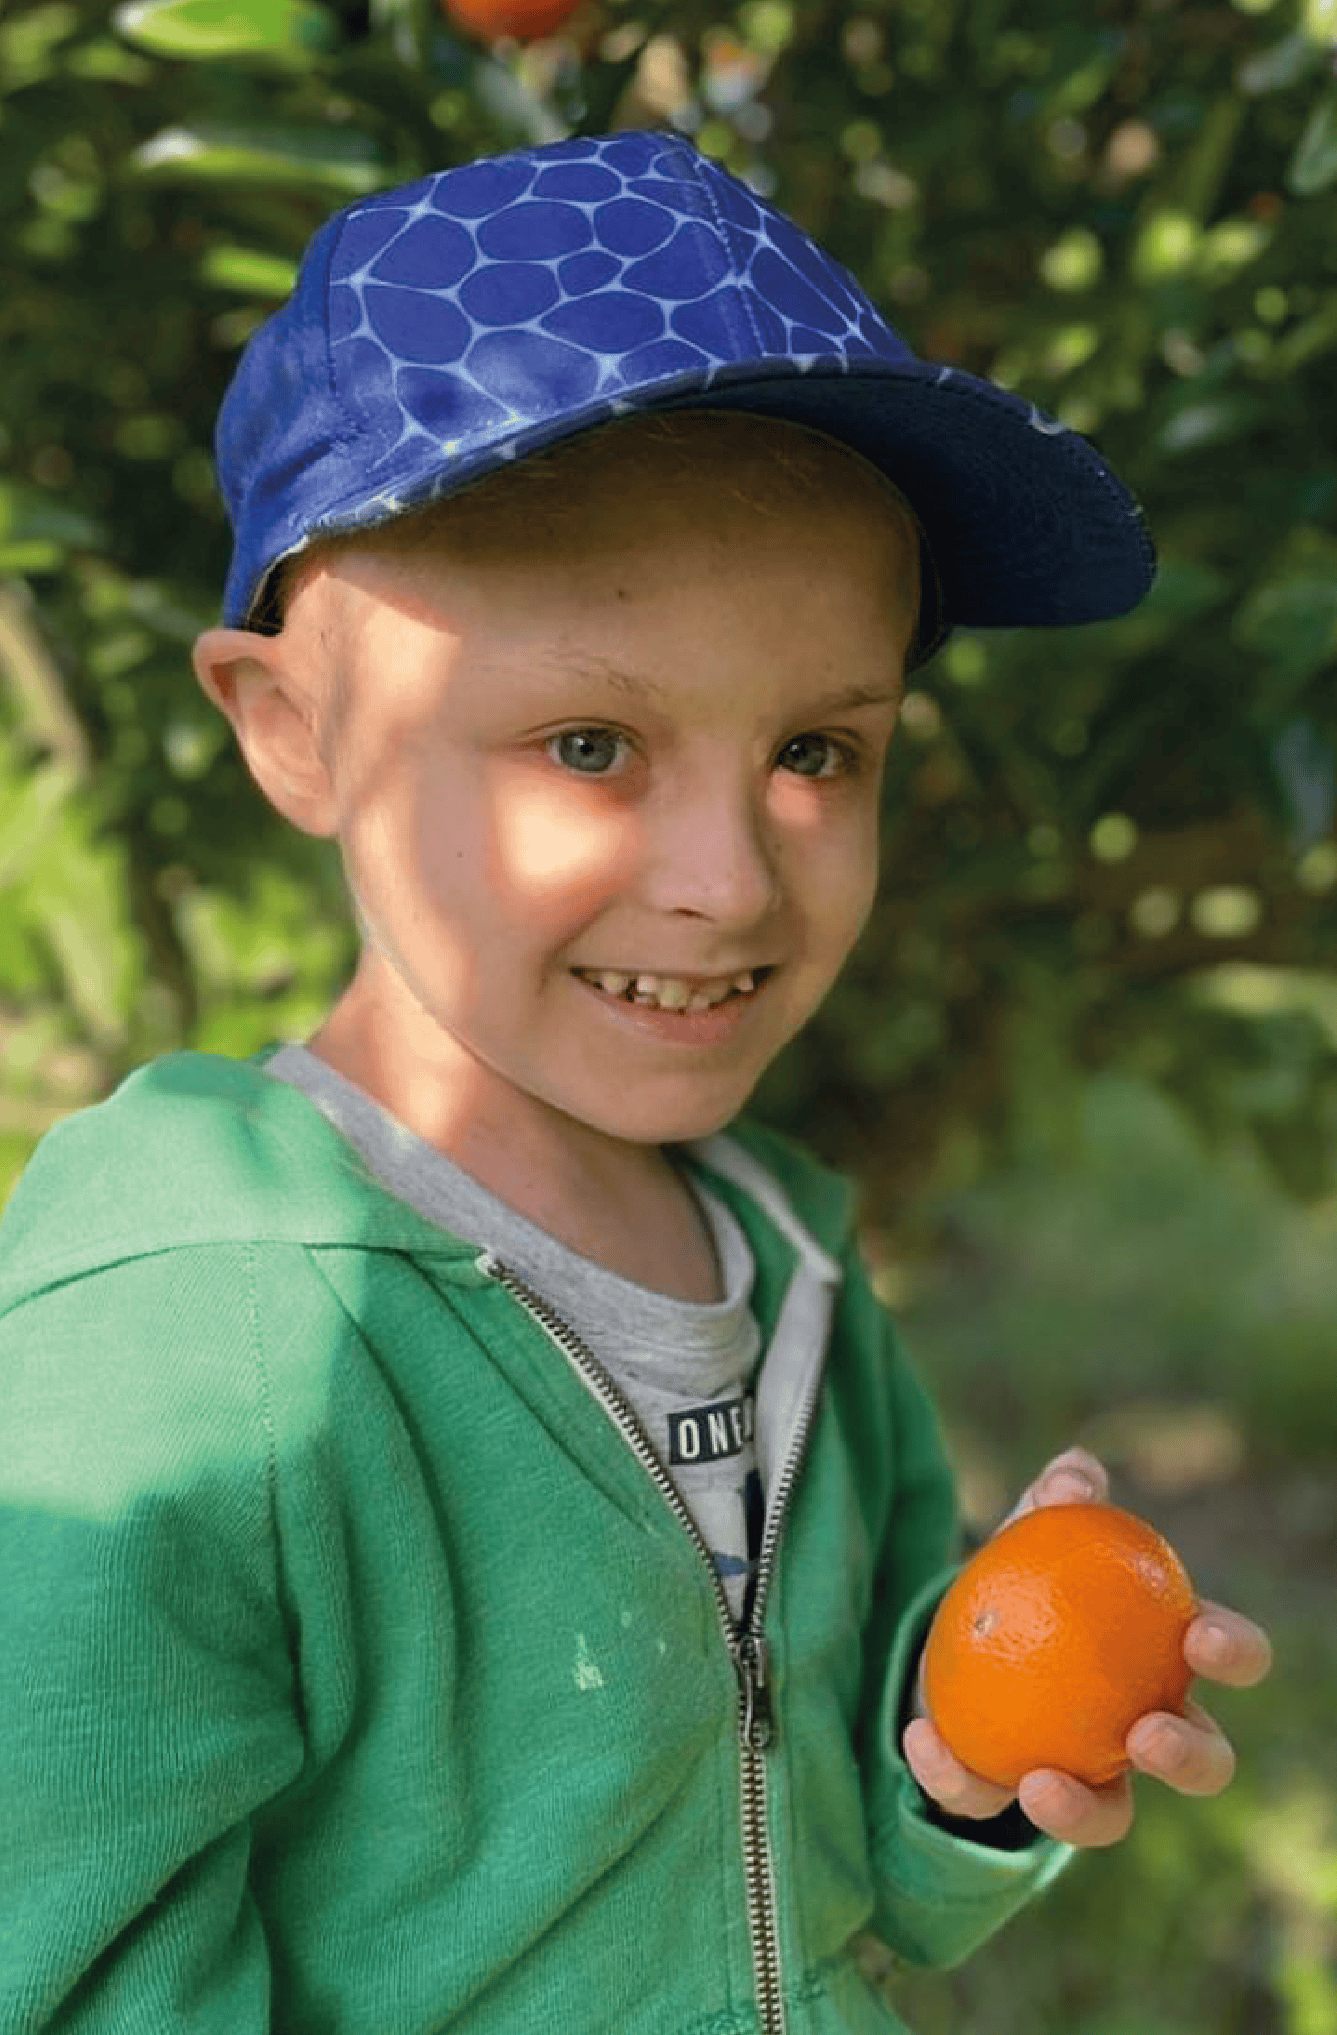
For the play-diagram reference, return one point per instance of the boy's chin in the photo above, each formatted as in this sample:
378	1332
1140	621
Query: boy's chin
680	1124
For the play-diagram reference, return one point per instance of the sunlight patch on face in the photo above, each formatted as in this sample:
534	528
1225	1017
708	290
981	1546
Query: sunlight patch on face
796	804
547	839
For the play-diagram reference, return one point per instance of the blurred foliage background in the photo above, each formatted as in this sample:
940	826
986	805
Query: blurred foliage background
1086	1059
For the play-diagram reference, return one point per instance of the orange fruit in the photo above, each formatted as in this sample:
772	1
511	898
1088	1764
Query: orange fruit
523	20
1055	1638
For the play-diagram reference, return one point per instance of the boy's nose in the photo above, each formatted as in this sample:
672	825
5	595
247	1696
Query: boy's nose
712	856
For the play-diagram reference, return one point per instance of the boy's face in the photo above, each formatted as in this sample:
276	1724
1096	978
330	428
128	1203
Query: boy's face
588	790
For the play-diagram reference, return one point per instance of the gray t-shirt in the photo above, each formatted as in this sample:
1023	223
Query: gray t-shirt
687	1368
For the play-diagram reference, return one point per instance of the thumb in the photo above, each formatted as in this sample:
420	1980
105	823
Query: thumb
1074	1478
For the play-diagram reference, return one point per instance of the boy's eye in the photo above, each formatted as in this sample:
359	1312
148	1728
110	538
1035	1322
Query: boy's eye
814	756
589	750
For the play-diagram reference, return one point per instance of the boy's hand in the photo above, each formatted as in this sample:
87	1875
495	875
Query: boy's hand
1189	1753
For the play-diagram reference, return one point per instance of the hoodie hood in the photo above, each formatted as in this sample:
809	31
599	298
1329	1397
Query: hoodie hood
197	1148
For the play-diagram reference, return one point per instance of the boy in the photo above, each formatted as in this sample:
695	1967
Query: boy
471	1528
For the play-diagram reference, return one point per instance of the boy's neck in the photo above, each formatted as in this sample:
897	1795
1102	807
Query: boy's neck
624	1206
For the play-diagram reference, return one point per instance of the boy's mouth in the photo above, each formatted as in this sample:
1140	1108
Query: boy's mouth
673	992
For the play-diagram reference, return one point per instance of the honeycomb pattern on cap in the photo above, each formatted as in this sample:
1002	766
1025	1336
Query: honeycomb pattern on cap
485	298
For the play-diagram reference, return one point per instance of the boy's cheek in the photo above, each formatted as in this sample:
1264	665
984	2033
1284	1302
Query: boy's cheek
860	883
555	840
831	827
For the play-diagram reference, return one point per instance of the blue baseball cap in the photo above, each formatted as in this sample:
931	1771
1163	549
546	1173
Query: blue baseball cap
442	329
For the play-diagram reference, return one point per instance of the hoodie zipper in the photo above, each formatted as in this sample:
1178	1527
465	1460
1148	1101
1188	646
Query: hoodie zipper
745	1642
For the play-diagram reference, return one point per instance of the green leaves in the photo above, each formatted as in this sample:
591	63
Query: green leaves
36	532
1313	167
331	165
1288	627
63	892
1293	623
248	270
278	31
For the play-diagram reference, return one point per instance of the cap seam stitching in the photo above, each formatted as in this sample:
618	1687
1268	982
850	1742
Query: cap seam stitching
722	229
353	432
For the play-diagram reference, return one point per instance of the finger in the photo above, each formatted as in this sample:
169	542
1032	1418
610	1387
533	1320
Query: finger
1190	1754
1074	1478
1223	1646
943	1778
1073	1813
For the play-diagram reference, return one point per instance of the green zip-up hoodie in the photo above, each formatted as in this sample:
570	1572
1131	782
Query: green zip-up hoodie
355	1676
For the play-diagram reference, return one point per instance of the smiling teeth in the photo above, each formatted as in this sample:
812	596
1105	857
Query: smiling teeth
670	992
667	992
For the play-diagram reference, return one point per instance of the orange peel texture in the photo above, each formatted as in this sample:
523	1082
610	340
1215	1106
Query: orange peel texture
1055	1638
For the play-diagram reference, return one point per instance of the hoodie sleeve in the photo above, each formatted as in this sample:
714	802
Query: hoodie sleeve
147	1700
940	1893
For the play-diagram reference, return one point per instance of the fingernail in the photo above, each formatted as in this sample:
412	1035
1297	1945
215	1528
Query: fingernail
1158	1744
1213	1642
1051	1793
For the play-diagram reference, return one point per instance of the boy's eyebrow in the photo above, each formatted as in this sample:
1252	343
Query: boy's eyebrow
639	686
854	696
602	672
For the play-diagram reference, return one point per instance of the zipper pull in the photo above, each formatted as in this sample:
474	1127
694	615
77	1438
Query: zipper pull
756	1725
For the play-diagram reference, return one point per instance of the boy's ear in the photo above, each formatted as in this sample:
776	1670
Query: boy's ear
249	679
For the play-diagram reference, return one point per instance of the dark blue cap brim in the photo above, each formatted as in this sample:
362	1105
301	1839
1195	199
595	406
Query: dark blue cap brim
1026	525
